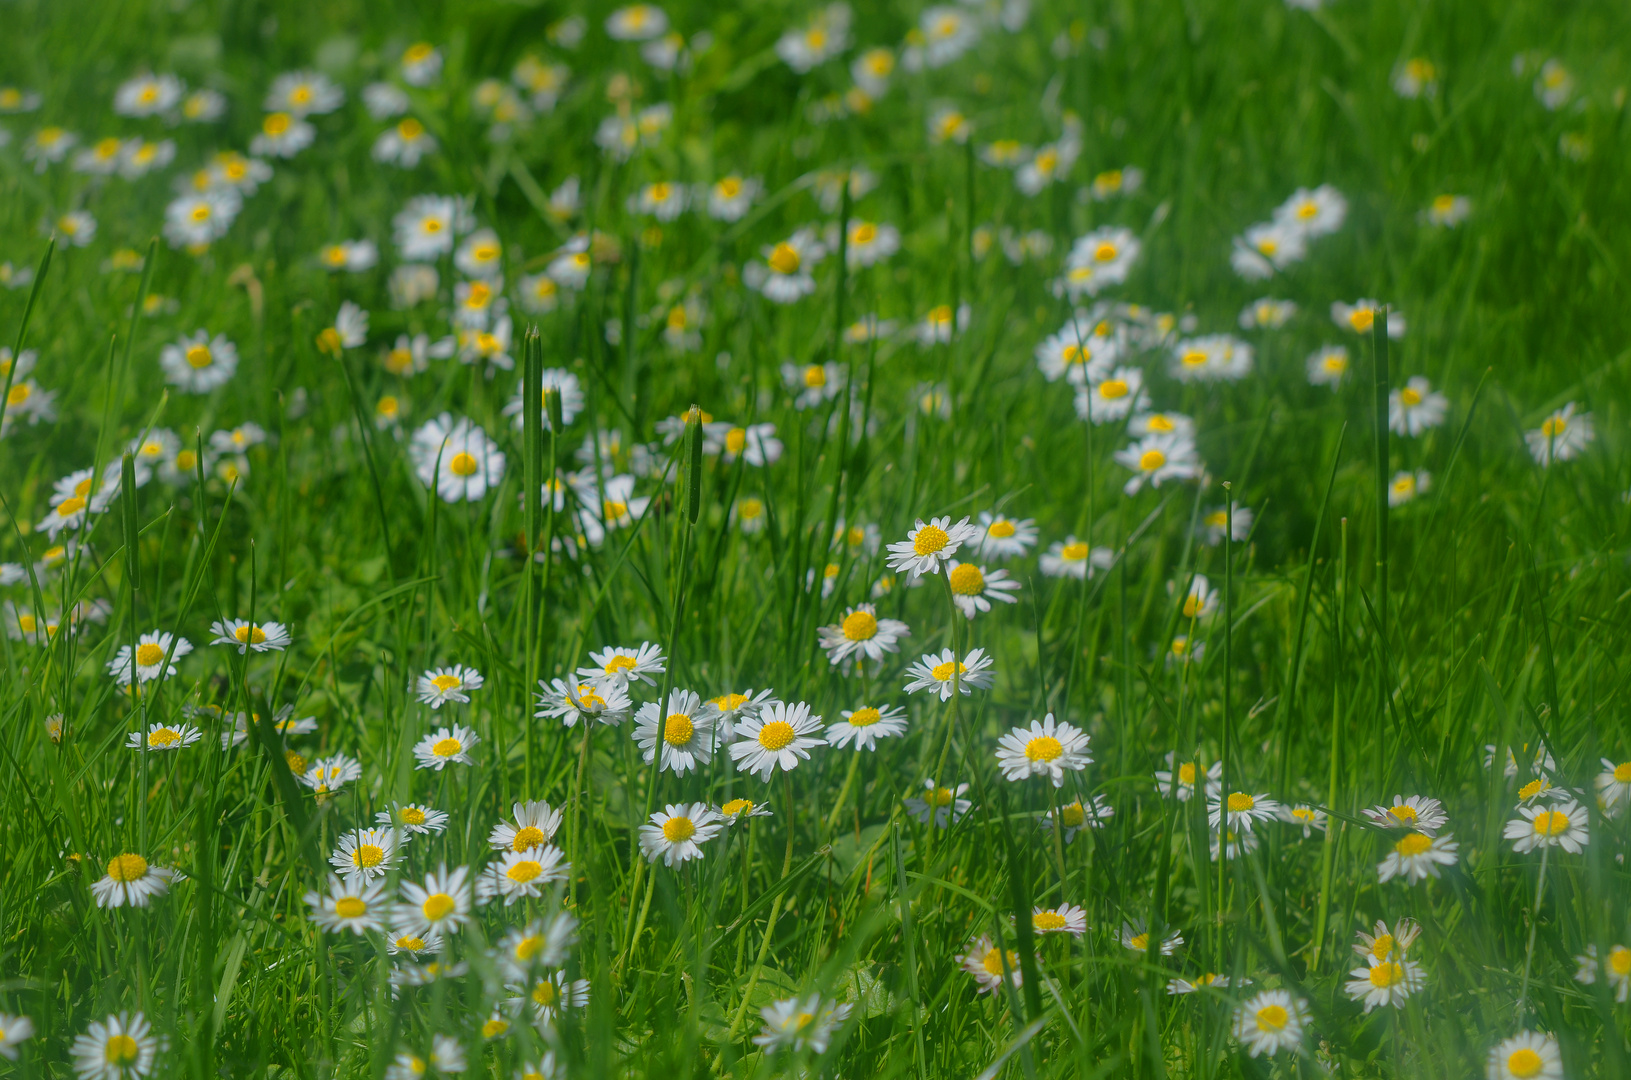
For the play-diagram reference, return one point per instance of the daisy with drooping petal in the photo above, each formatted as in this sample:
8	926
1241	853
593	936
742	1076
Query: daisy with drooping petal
617	667
244	635
991	966
441	904
523	874
684	734
366	854
1064	919
118	1048
130	879
676	830
153	651
1529	1055
1561	436
866	725
1541	789
1563	825
781	735
1418	856
861	633
941	672
357	905
413	818
444	746
1617	969
1410	812
199	363
164	737
534	825
928	545
1136	938
1270	1022
1046	748
1245	810
439	686
944	806
1385	983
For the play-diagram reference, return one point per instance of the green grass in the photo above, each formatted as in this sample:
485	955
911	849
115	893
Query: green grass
1499	620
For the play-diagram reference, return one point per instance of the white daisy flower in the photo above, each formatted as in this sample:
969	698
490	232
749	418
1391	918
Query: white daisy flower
1385	983
636	22
549	994
538	944
1111	398
1614	787
1447	211
199	363
1317	212
1563	825
535	824
445	745
14	1030
1212	358
1064	919
131	879
865	726
991	966
1561	436
328	775
1267	248
367	853
1102	258
617	667
1004	537
1270	1022
1306	817
781	735
1328	366
941	672
1073	817
151	653
357	905
684	733
421	64
798	1024
1136	938
1529	1055
164	737
1416	812
244	635
1617	969
860	633
282	135
943	806
427	226
1267	314
1046	748
784	275
1157	458
523	874
303	93
929	545
440	905
728	710
676	830
1361	314
118	1048
458	457
755	444
148	95
570	701
438	686
413	818
1418	856
1245	810
1072	558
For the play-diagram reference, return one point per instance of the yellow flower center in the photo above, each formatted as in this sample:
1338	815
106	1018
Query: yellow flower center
417	53
1240	802
1533	788
1619	960
412	815
367	856
121	1050
26	622
1524	1064
940	796
1048	920
1387	974
19	394
524	871
529	837
929	540
1044	748
1194	358
729	188
544	994
678	729
1105	252
1553	426
252	635
735	439
614	510
198	357
1382	947
1186	774
186	460
444	683
815	376
278	123
438	906
737	806
1113	389
1362	319
776	734
1268	246
463	464
860	626
1151	460
1414	844
1139	942
994	962
620	663
943	672
967	580
1551	823
1193	606
784	258
677	829
494	1027
1002	529
448	747
1073	815
863	232
127	868
410	943
1073	552
864	717
1444	204
410	129
1622	773
1272	1018
350	907
163	737
297	764
148	654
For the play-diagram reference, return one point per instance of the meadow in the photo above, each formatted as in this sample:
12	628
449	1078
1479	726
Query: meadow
993	539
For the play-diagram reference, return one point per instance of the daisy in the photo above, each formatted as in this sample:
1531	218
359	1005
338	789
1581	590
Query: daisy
756	444
866	725
1113	182
1359	315
555	381
413	818
1207	981
154	650
1102	258
1307	817
869	243
427	225
1328	366
442	903
1266	248
1079	353
130	879
797	1024
1238	844
148	95
1051	163
990	966
1564	826
196	220
948	123
1046	748
1417	856
1211	358
1415	78
164	737
458	457
1415	812
616	667
117	1048
424	975
1005	537
1617	969
676	830
943	805
1071	557
538	944
571	265
534	826
1387	944
812	384
1111	398
357	905
48	146
928	545
686	734
421	64
729	198
445	745
550	994
1201	600
1158	458
282	135
101	158
727	710
1135	937
1416	407
1529	1055
943	35
1614	787
861	633
784	275
636	22
1555	85
1180	781
1270	1022
781	734
1267	314
1064	919
352	256
413	945
14	1030
365	854
199	363
941	672
303	93
572	701
16	100
1447	211
523	874
613	506
438	686
328	775
1561	436
1245	810
1074	817
244	635
662	200
1314	213
1385	982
